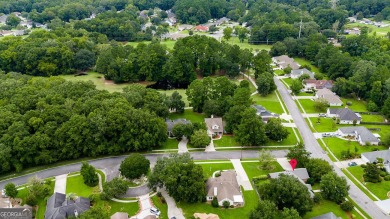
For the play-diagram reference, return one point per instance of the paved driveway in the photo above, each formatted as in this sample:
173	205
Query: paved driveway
173	210
145	204
183	145
316	151
60	184
242	177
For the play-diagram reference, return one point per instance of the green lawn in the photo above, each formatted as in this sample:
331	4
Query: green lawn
279	72
169	43
379	189
171	143
163	207
182	92
270	102
372	118
303	61
246	45
189	115
75	184
226	141
357	105
326	206
305	94
325	125
130	208
308	105
380	31
290	140
250	198
210	168
288	81
336	145
252	169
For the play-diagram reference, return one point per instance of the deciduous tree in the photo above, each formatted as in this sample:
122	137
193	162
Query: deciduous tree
200	139
333	187
88	172
275	130
134	166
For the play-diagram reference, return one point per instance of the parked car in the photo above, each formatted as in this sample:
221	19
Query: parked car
352	164
322	115
326	135
155	211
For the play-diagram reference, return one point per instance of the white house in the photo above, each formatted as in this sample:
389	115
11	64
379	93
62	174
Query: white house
329	96
225	188
371	157
360	133
299	72
345	115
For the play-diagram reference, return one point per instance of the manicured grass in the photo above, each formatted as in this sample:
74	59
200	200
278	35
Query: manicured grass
171	143
357	105
305	94
210	168
290	140
380	31
379	189
226	141
372	118
246	45
169	43
250	198
337	145
182	92
288	81
303	61
308	105
270	102
279	72
384	129
325	125
189	115
130	208
253	169
75	185
163	207
326	206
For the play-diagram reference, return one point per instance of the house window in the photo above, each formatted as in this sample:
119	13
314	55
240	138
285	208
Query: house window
215	127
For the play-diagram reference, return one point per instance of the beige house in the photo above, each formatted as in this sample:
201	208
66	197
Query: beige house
329	96
214	126
225	188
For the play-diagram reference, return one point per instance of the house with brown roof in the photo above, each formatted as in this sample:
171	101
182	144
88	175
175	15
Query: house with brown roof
310	84
329	96
201	28
225	188
214	126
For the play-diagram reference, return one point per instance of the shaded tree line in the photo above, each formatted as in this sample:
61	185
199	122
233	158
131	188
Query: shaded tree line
46	120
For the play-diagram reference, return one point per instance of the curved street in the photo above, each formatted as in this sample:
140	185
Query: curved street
316	151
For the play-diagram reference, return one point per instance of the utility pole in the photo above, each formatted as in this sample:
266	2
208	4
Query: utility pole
300	29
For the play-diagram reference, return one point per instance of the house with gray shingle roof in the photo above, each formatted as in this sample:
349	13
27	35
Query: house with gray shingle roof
3	19
284	61
345	115
214	126
265	114
300	173
329	215
59	207
371	157
329	96
225	188
299	72
361	134
172	123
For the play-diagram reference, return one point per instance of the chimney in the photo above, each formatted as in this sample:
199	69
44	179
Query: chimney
215	191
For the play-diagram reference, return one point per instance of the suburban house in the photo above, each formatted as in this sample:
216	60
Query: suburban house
345	115
300	173
284	61
201	28
360	133
353	31
60	207
265	114
214	126
225	188
120	215
222	21
299	72
371	157
310	84
329	215
184	27
3	19
172	123
329	96
384	205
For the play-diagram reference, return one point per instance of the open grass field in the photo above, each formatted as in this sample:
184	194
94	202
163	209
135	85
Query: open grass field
380	31
171	143
250	197
246	45
75	185
279	72
270	102
326	206
168	43
337	145
308	105
210	168
288	81
379	189
189	115
325	125
372	118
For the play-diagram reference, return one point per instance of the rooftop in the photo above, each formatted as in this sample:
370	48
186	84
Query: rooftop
365	134
226	186
60	207
214	124
372	156
345	114
329	215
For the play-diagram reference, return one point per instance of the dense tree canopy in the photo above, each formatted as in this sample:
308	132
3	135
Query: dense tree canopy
134	166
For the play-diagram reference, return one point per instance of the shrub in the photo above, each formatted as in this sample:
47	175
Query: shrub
383	174
348	103
158	194
90	177
94	197
317	197
214	202
387	178
134	166
162	199
310	181
31	200
346	206
218	174
226	204
363	166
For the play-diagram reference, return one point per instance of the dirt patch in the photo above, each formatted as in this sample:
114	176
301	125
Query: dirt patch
206	216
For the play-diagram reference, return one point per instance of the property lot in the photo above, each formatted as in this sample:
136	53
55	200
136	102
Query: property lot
270	102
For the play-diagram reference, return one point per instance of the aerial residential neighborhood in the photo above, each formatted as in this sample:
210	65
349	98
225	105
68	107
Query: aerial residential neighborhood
197	109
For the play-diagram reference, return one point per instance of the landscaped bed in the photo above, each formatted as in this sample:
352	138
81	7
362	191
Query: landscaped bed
379	189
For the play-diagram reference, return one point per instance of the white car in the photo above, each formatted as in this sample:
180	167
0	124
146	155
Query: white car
155	211
3	194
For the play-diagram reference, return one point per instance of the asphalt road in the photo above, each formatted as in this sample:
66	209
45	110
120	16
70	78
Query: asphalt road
111	165
316	151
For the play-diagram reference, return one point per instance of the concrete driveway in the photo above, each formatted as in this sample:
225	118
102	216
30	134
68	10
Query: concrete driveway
173	210
284	164
183	145
145	205
60	184
242	177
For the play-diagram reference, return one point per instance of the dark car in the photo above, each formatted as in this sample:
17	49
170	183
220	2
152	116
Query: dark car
352	164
